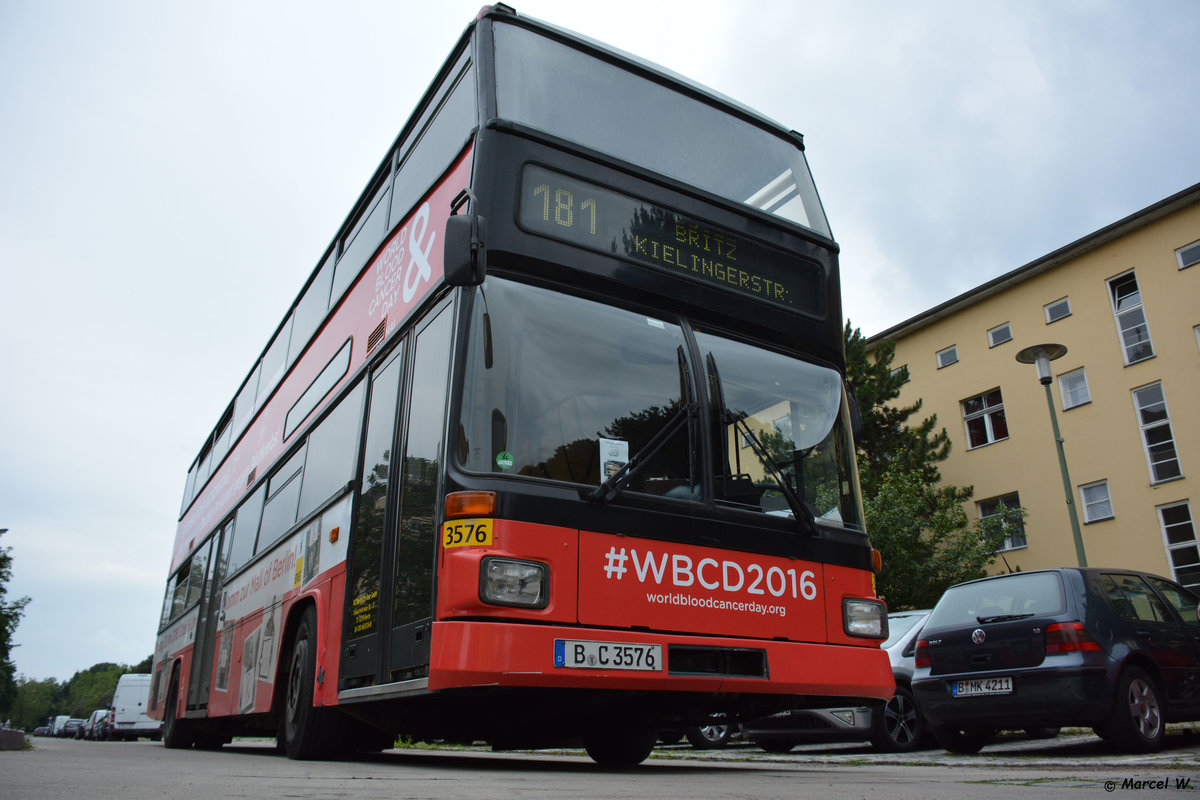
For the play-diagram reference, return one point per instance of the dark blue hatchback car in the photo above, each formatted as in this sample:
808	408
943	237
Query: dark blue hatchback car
1113	649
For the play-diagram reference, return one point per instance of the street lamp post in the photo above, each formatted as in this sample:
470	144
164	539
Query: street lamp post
1042	355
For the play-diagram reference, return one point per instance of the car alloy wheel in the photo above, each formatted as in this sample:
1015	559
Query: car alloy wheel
897	725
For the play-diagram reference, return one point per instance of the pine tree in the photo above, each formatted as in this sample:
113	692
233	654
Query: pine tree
10	616
916	522
888	442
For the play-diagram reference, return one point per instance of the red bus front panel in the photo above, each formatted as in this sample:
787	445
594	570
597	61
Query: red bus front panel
630	606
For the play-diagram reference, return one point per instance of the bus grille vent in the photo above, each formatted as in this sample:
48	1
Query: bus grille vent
250	478
377	335
732	661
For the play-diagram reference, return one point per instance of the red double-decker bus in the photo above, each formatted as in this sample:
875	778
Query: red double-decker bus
552	446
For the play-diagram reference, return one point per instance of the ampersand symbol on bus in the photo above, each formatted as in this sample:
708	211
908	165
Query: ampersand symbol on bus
418	256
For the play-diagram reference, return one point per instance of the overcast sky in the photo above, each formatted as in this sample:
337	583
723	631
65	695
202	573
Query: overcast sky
170	172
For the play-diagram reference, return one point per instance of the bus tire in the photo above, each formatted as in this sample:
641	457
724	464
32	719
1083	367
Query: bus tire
309	732
610	748
176	732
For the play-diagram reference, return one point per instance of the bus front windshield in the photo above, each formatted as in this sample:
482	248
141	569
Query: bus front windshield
562	389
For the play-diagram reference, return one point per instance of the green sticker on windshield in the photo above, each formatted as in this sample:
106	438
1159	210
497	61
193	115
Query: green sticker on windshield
504	459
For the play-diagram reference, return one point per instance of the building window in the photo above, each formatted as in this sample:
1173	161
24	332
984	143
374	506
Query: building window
1073	387
1131	318
901	372
1057	310
948	356
999	335
1179	534
1015	532
1188	255
1155	422
984	418
1097	504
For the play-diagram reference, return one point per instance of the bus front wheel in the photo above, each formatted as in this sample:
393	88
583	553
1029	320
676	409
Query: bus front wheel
309	732
610	748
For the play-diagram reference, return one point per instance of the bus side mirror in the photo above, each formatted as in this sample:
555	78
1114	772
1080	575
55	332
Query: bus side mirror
464	249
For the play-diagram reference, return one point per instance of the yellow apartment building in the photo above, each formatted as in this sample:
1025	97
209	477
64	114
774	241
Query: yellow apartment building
1124	302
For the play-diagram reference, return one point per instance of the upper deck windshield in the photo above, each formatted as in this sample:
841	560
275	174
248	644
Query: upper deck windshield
564	389
608	107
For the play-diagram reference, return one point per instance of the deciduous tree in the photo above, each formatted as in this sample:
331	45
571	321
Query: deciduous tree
927	542
92	688
33	703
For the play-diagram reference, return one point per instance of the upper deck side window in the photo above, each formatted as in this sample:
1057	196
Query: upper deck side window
611	108
435	140
438	132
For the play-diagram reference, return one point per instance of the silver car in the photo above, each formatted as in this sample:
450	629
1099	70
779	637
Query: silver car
895	726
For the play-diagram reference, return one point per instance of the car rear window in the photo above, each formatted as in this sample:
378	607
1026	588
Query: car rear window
900	625
1013	596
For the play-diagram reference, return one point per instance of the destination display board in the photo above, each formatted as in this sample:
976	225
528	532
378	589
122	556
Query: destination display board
576	211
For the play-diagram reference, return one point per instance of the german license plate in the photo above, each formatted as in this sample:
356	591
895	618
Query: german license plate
576	654
999	685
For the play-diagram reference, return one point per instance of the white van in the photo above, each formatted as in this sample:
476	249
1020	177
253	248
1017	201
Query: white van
128	718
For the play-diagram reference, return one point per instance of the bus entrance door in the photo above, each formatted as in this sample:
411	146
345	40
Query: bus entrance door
208	622
416	535
391	561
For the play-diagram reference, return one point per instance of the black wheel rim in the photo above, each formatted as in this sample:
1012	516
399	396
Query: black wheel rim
900	719
295	679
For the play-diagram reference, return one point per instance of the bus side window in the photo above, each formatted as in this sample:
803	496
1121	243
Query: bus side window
332	453
240	545
434	147
166	610
181	587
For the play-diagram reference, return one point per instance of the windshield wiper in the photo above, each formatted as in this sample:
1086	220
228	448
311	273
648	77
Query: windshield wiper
799	509
1002	618
616	483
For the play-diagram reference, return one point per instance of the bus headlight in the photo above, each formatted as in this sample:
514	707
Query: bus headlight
867	618
509	582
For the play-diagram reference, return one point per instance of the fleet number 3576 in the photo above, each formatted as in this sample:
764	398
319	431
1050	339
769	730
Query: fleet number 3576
467	533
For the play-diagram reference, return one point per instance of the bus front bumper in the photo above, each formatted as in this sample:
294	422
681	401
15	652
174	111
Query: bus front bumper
480	654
